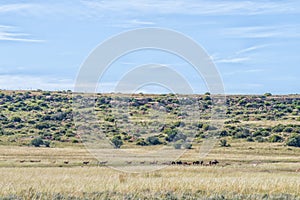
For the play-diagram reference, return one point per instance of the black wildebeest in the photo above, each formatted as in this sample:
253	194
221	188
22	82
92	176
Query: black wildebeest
179	162
35	160
214	162
85	162
66	162
198	162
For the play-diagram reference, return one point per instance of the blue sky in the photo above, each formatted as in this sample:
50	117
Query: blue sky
255	45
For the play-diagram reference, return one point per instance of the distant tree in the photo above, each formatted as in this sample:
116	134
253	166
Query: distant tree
268	94
207	98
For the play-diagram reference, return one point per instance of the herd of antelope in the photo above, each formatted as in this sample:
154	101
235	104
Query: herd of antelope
179	163
102	163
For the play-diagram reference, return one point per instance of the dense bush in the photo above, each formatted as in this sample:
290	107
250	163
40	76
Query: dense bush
177	145
294	140
141	142
260	139
187	145
275	138
37	142
42	125
16	119
153	140
117	141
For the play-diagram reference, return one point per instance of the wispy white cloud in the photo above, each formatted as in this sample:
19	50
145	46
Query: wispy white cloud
232	60
250	49
281	31
15	7
8	33
133	23
243	71
196	7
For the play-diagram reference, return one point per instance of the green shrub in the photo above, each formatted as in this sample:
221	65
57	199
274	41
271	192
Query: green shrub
268	94
42	125
278	128
16	119
74	140
171	133
117	142
153	140
260	139
223	143
294	140
141	142
288	129
205	127
46	143
1	131
37	142
180	136
187	145
177	145
275	138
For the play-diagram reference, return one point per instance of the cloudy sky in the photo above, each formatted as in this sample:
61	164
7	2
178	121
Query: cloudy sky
255	45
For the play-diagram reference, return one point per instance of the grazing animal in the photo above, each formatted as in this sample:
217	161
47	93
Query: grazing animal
66	162
214	162
173	163
153	163
85	162
21	161
198	162
102	162
35	160
188	163
128	162
179	162
142	162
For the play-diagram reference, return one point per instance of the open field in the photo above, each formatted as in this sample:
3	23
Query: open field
244	171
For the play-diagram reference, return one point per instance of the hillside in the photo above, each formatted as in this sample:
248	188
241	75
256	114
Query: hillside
46	118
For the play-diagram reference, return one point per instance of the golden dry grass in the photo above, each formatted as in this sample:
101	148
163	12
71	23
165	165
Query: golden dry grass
264	170
211	180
